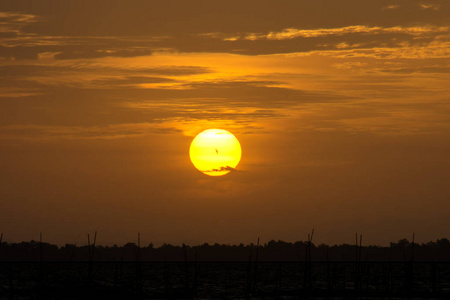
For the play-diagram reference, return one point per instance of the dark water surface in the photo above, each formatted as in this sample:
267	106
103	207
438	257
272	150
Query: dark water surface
205	280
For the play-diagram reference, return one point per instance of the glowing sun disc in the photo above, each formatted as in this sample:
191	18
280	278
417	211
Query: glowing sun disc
215	152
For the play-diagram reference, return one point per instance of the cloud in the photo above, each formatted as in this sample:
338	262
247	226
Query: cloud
150	18
411	70
14	22
390	7
36	69
43	78
100	29
222	169
18	53
83	75
291	33
429	6
77	54
8	34
291	40
122	82
113	131
170	70
439	48
358	36
101	104
24	70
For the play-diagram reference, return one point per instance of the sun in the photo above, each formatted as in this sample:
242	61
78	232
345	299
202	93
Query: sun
215	152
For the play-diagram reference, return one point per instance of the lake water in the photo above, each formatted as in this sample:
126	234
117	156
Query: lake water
158	280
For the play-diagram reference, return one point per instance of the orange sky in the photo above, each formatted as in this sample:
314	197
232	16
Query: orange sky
341	107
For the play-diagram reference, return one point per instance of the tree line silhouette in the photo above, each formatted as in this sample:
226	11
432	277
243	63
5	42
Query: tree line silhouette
403	250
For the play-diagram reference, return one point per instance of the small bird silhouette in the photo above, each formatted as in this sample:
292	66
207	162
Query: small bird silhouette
217	151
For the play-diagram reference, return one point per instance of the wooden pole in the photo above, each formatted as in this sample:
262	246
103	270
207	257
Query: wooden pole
255	275
93	245
40	247
138	264
249	276
1	239
89	248
186	268
41	266
360	247
310	260
305	271
73	252
358	259
195	276
89	261
139	246
328	271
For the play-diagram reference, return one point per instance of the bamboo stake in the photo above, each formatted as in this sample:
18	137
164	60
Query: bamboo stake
89	248
305	271
310	260
93	245
328	271
1	239
358	261
278	280
138	264
307	280
433	277
306	249
116	275
361	266
186	268
121	271
410	270
249	276
255	275
195	275
91	256
40	247
139	246
360	246
166	276
41	266
73	252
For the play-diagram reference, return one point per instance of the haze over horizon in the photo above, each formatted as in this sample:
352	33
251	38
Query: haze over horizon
341	108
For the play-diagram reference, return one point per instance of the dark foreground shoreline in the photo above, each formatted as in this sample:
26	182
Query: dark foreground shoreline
224	280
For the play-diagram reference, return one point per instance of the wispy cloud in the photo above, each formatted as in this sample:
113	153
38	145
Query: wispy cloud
77	54
291	33
390	7
116	131
439	48
15	21
429	6
221	169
